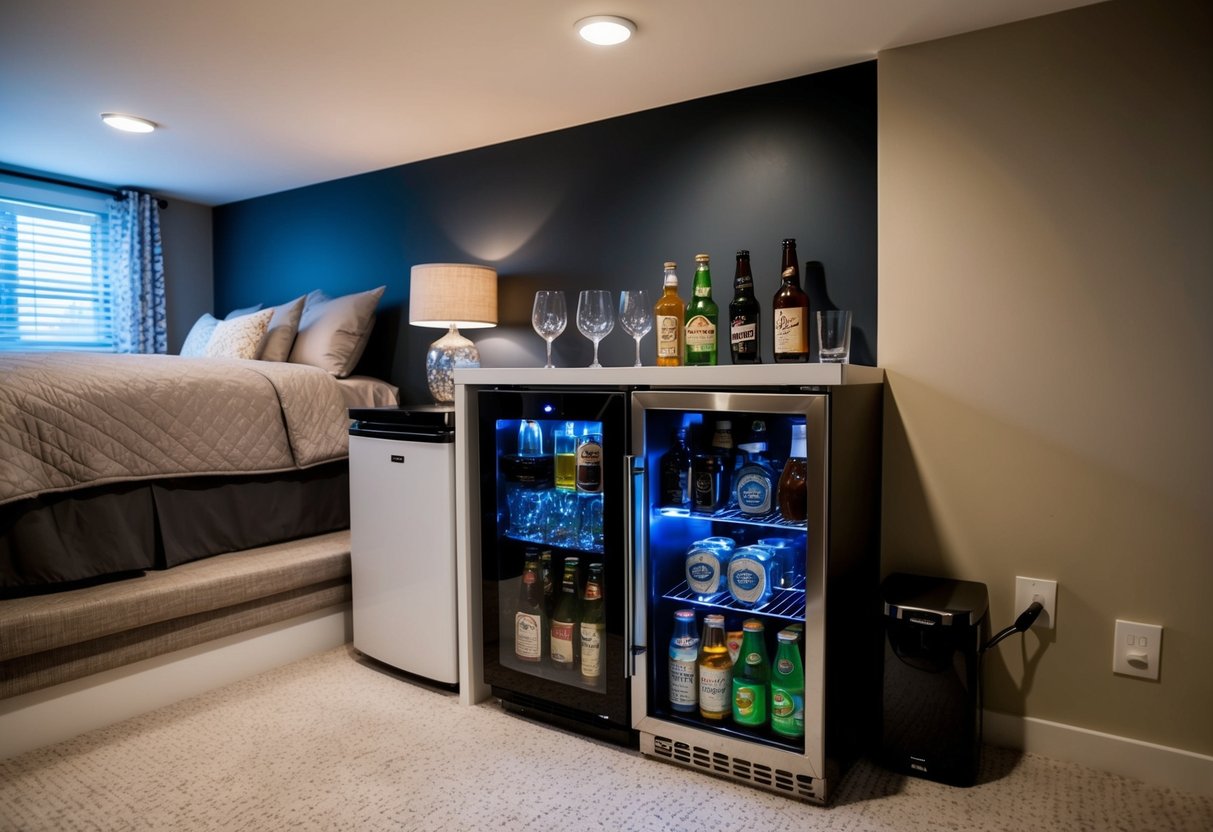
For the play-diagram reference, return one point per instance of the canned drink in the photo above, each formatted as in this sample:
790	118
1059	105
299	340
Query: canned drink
753	573
706	566
789	553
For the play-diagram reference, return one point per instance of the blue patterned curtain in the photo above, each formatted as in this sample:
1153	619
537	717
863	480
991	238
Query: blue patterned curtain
138	275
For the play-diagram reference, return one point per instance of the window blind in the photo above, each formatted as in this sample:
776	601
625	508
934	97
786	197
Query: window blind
55	286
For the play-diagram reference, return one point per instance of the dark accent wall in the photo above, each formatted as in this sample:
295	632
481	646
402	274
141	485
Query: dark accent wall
596	206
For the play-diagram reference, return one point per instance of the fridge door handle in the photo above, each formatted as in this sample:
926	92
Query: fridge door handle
633	543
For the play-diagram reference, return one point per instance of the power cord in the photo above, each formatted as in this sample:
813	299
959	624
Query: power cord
1021	625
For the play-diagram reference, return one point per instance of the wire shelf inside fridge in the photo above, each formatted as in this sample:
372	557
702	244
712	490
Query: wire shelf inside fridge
732	515
786	603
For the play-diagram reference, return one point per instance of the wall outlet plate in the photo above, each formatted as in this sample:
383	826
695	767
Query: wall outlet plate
1027	590
1137	649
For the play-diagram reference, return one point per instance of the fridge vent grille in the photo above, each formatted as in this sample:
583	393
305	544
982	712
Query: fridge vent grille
757	774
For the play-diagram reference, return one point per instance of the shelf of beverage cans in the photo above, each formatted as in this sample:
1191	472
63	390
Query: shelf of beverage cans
785	602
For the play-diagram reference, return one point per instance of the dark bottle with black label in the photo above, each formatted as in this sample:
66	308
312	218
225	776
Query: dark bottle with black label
674	469
744	315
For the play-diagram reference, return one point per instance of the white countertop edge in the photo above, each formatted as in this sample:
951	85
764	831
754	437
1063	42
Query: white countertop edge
781	375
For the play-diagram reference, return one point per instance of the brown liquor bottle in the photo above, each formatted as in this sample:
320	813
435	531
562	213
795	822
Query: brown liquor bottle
791	312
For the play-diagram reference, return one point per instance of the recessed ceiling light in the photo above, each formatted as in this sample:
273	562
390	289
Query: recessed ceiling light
130	124
605	29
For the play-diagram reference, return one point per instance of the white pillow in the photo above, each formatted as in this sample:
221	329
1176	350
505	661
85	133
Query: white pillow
333	331
240	337
280	335
200	336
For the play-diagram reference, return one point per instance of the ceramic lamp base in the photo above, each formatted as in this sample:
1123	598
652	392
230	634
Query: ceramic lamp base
448	352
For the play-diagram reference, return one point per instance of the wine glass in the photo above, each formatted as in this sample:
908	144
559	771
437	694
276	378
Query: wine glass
595	318
636	316
549	318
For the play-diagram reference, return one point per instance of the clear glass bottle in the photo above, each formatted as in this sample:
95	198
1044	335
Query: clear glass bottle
701	318
715	670
669	313
745	317
752	676
790	312
684	663
565	448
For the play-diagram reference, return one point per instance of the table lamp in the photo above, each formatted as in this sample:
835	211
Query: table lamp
448	296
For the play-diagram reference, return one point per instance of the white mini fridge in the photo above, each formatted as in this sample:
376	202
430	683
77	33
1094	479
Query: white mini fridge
402	538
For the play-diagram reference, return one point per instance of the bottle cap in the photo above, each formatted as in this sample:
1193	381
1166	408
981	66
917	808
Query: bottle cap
743	252
685	615
752	625
670	264
701	258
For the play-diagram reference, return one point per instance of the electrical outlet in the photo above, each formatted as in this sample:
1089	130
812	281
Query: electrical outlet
1138	649
1028	590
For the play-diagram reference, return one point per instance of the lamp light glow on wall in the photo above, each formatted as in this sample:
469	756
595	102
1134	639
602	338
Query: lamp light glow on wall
128	124
604	29
449	296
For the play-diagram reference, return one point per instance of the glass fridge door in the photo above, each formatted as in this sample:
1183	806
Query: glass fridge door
726	532
553	551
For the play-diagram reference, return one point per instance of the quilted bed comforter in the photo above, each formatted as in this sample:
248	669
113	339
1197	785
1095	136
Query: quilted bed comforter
69	420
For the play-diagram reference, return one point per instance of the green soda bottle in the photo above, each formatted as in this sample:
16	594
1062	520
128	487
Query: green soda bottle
751	676
787	687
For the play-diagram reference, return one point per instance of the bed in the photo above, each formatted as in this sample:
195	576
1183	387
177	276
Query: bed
111	465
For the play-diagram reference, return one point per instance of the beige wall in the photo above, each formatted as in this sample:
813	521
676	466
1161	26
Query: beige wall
1045	317
185	233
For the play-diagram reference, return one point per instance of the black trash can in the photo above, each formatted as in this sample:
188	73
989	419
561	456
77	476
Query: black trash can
931	708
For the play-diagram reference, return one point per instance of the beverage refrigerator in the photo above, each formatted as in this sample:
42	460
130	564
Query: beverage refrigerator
808	581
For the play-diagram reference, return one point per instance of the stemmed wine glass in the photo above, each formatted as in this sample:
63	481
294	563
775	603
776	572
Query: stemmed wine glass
549	318
595	318
636	316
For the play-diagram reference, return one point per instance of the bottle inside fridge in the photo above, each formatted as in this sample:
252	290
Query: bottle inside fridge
726	551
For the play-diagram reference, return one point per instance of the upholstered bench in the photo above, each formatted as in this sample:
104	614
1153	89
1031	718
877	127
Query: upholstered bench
49	639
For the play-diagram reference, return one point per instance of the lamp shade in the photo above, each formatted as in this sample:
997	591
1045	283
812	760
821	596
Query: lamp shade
446	294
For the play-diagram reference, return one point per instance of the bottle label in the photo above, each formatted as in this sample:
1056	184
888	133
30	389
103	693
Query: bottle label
715	688
562	642
667	336
703	571
703	291
527	643
748	703
591	650
747	580
684	680
700	334
790	333
754	493
787	711
741	332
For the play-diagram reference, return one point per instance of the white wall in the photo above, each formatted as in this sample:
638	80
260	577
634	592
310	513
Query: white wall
1046	320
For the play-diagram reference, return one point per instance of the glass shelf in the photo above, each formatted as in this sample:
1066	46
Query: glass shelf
786	603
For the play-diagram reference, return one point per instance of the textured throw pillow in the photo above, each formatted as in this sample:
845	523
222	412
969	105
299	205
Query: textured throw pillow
239	337
200	336
333	331
240	313
280	335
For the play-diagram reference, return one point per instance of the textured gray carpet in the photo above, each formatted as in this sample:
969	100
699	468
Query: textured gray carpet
333	743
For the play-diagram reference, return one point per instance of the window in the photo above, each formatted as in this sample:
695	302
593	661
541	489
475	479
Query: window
55	283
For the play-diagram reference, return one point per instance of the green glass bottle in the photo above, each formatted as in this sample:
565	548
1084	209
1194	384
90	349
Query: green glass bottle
787	687
701	317
751	676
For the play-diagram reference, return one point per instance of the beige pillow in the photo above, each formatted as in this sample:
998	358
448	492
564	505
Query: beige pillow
280	335
333	331
239	337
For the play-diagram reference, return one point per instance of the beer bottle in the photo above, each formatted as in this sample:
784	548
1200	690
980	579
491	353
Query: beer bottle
791	312
674	469
701	318
787	687
794	481
751	676
593	625
528	614
715	670
684	663
565	618
589	462
549	589
744	315
669	312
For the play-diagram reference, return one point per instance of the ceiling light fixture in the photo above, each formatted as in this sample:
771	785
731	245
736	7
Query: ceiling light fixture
129	124
605	29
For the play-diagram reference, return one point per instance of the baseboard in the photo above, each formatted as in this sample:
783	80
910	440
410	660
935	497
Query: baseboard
53	714
1159	765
